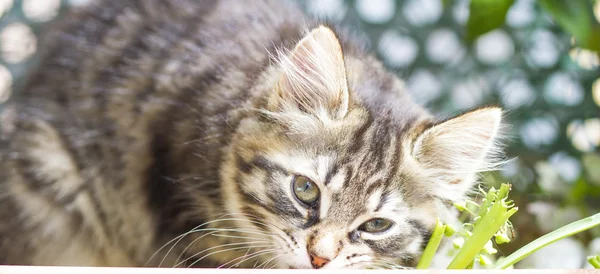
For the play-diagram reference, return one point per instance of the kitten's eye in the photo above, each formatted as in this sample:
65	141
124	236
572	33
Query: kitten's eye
376	225
305	190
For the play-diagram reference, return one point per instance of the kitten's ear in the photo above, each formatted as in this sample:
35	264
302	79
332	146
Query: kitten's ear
454	151
313	78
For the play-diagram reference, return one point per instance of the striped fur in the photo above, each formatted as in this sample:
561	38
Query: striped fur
168	132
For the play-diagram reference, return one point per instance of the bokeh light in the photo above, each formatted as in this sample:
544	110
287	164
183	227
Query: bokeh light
376	11
494	48
585	134
40	10
516	93
539	131
422	12
585	58
521	14
443	46
398	50
543	51
17	42
562	89
460	11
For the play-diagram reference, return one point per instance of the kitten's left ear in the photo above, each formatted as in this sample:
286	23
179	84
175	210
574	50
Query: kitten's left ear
454	151
313	78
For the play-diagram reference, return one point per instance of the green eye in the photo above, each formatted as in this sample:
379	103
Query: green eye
376	225
305	190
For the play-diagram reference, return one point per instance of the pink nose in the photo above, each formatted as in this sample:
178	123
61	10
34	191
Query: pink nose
317	262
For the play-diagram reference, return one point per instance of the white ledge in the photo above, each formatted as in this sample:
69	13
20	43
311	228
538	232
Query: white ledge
134	270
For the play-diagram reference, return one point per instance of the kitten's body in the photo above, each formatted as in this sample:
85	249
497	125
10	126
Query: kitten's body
148	118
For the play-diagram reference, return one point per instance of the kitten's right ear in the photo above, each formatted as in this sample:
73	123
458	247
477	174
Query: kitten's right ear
313	78
454	151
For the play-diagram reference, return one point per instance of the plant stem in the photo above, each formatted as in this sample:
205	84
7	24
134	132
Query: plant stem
563	232
432	246
491	222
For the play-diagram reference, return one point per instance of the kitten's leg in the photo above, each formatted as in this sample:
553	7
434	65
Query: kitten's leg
47	215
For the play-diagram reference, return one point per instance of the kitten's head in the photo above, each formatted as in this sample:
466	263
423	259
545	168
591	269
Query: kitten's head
341	169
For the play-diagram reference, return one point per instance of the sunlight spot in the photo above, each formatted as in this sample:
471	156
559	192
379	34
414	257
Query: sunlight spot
17	42
443	46
562	89
543	51
584	135
539	131
521	13
40	10
567	166
460	11
376	11
494	48
422	12
586	59
398	50
517	93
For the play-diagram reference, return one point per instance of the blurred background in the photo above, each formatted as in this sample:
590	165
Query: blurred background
529	65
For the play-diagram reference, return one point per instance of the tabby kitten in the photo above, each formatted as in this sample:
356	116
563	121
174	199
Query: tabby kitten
224	134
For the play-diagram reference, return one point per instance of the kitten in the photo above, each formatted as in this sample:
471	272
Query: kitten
224	133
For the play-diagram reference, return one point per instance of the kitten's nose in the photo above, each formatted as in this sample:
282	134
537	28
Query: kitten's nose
317	262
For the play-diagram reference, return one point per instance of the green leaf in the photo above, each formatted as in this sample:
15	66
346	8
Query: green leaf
575	17
484	16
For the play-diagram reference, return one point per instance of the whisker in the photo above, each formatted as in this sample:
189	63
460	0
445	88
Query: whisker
216	247
219	251
169	242
178	239
266	263
214	230
251	256
236	237
252	219
213	233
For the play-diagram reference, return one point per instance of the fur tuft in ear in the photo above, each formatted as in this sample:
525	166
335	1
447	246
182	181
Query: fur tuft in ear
454	151
313	78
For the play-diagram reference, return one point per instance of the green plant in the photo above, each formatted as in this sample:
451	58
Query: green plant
436	238
594	261
563	232
491	222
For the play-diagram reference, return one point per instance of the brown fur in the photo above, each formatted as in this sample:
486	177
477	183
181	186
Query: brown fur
149	118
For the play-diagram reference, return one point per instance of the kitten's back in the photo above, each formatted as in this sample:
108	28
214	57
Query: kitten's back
88	145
